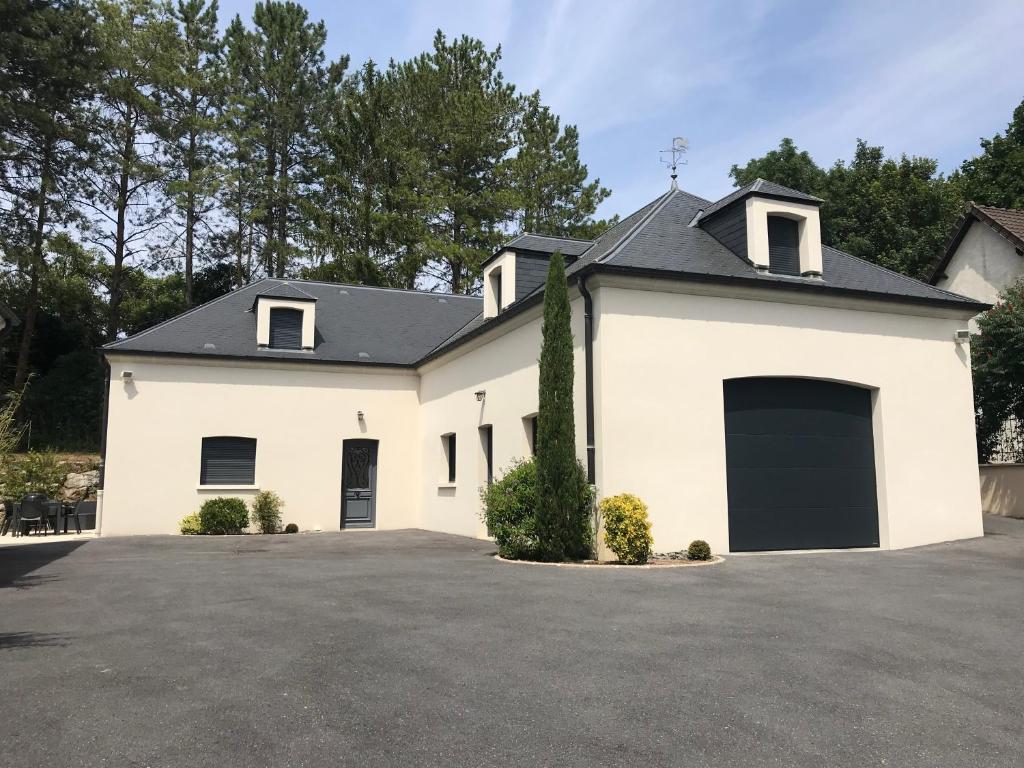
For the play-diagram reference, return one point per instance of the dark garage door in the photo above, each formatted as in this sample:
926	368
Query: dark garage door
801	465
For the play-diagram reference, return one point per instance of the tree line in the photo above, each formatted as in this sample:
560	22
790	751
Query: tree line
149	162
153	158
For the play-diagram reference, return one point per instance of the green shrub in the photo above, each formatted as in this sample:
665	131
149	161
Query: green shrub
698	550
627	530
223	515
291	528
266	512
32	472
509	504
190	524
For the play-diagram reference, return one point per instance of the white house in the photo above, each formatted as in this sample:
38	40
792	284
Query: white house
985	254
755	388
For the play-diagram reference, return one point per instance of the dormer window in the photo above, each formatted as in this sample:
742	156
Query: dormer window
499	283
285	318
495	278
285	328
783	246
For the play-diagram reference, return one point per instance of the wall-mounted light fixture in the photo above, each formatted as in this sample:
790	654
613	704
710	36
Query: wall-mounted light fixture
962	336
360	415
480	395
126	376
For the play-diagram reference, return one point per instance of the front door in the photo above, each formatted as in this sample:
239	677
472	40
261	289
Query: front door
358	483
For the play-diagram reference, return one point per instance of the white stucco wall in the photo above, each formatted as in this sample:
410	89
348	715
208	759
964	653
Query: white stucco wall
660	425
984	264
507	368
299	414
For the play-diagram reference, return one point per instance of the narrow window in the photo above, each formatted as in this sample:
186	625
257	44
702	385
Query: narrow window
228	461
285	328
448	443
487	446
496	289
530	425
783	246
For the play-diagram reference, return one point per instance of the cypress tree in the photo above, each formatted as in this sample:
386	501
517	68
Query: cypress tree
562	530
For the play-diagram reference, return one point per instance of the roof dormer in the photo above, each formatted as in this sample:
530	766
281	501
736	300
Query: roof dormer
499	283
285	318
775	228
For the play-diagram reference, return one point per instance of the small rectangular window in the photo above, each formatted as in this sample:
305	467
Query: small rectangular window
285	328
530	425
228	461
496	289
487	446
783	246
448	443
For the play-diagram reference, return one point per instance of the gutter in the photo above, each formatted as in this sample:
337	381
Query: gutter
588	357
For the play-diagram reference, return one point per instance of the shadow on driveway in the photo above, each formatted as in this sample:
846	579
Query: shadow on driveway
17	562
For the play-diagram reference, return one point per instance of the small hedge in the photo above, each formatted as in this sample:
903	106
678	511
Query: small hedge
266	512
223	515
291	528
698	550
627	529
190	525
508	512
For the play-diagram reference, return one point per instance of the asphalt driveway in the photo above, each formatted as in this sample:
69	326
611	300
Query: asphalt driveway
418	649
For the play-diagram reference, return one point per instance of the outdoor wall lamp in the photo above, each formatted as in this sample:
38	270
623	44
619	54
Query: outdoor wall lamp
360	416
962	335
126	376
480	395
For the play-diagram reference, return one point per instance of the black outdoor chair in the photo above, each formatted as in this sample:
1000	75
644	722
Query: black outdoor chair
34	512
72	512
9	515
85	516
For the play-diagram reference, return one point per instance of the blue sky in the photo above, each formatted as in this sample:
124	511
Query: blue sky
926	78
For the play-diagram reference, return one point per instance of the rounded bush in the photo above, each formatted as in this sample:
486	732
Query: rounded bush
509	505
698	550
190	525
266	512
627	529
291	528
223	515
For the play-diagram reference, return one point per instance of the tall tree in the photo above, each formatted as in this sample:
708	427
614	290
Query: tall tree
191	104
287	87
48	72
786	165
555	197
996	176
124	196
462	116
563	526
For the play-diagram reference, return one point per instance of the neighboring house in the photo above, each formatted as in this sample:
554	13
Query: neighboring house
985	255
8	320
756	389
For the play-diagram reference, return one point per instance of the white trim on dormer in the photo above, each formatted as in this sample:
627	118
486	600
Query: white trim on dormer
503	268
266	303
758	211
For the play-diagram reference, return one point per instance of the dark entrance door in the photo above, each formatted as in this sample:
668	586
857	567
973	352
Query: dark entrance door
801	465
358	483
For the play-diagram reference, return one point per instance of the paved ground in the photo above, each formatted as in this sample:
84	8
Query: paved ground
417	649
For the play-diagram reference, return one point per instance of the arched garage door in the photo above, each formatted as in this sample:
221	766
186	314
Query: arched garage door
801	465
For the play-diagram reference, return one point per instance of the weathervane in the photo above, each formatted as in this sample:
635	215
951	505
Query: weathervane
671	157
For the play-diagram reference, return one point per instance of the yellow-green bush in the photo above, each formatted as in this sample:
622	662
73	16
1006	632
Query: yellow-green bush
627	529
190	525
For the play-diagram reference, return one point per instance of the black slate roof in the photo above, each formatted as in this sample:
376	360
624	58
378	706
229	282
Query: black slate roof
762	187
355	324
567	246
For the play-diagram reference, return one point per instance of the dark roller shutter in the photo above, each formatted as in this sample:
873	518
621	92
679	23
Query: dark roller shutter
783	246
286	328
228	461
800	465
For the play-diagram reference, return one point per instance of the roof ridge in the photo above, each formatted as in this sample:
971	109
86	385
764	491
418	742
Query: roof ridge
186	313
551	237
636	228
379	288
287	282
900	275
997	208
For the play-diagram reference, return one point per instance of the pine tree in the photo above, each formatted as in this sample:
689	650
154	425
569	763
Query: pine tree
49	68
551	182
563	528
193	97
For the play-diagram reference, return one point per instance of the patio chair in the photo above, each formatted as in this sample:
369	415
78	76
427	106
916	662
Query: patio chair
72	512
10	514
34	512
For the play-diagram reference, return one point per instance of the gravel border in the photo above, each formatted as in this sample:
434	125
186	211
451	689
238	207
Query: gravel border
650	566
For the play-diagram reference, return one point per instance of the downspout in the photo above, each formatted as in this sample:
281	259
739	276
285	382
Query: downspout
588	357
